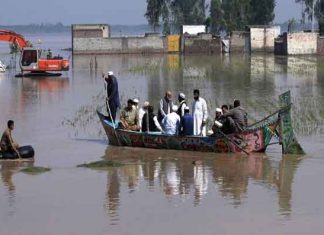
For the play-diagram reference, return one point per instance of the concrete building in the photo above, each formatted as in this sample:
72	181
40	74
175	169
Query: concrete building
193	29
90	30
302	43
95	39
320	45
262	38
202	43
239	42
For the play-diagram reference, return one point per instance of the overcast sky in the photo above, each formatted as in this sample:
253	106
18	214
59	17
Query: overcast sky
113	12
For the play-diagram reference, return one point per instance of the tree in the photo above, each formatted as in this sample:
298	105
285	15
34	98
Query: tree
175	13
154	12
318	6
261	12
291	25
216	16
236	14
187	12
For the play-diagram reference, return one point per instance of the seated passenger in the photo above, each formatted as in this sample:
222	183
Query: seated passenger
49	54
186	123
218	114
7	143
141	113
129	117
150	122
237	118
171	122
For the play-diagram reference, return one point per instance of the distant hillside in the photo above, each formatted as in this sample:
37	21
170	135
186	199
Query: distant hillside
117	30
297	27
37	28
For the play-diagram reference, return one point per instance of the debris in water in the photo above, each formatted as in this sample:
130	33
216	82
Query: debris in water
35	170
102	165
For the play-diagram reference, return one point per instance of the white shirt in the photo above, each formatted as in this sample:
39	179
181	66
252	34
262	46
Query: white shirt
141	113
200	114
171	123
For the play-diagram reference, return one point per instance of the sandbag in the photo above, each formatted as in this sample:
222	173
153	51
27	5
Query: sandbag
24	151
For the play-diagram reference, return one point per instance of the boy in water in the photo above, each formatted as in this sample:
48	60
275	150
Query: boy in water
7	144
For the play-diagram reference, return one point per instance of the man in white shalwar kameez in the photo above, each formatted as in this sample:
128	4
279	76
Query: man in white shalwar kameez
200	114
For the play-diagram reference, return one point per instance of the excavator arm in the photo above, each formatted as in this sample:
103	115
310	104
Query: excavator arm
10	36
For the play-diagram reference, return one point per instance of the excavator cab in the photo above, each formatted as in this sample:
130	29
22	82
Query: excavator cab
32	60
29	59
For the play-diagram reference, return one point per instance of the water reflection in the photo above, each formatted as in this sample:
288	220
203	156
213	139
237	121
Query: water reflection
193	176
256	80
112	195
7	170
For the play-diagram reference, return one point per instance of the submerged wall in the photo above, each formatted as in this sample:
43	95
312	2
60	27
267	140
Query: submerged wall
302	43
320	45
120	45
238	42
262	38
203	43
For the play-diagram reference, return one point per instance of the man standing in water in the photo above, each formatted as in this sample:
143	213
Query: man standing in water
7	143
200	114
112	100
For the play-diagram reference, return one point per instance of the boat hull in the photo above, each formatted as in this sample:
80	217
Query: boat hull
255	140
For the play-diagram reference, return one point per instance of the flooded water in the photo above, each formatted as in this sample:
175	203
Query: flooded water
156	191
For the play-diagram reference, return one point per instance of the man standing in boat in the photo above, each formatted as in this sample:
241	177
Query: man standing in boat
165	106
7	143
112	100
199	113
182	104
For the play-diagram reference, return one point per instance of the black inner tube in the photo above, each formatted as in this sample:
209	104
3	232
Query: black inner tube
24	151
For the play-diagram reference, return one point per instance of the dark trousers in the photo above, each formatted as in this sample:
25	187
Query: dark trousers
234	127
113	111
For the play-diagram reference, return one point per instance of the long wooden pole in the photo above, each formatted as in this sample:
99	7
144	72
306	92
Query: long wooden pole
109	113
270	115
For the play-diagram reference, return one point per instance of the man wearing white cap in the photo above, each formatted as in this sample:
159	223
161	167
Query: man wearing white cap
186	123
112	100
182	104
141	112
135	103
171	122
218	122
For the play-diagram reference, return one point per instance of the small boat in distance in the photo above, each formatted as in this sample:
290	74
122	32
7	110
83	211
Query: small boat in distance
256	138
3	67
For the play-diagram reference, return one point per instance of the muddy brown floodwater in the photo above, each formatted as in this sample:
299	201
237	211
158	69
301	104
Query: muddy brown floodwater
156	191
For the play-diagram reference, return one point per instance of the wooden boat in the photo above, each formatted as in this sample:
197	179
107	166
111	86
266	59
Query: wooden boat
256	138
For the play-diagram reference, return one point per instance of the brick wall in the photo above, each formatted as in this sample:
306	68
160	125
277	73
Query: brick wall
204	43
262	39
120	45
238	41
320	45
301	43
